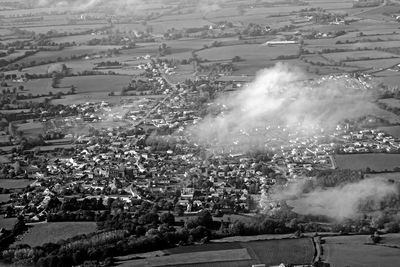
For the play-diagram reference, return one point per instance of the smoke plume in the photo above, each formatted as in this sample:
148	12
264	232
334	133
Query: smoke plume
341	202
280	103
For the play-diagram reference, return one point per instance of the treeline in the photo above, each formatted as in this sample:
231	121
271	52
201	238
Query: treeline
331	178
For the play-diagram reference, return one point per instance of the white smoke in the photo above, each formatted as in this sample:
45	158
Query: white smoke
280	103
341	202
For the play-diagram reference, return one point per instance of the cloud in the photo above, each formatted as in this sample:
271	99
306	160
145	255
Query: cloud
280	103
339	203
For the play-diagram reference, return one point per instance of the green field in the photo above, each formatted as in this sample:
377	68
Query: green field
7	223
392	130
352	251
4	197
14	183
42	233
66	53
236	254
96	83
375	161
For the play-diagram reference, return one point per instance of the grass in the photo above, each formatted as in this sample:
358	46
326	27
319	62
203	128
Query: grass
14	183
97	83
31	128
42	233
375	64
193	258
35	87
355	55
4	197
66	53
247	253
392	130
375	161
7	223
291	251
352	251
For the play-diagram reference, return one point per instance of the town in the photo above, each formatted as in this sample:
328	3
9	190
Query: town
171	134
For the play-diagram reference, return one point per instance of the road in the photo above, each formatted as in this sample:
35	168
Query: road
173	90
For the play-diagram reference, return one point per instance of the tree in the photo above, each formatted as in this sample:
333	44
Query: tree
167	218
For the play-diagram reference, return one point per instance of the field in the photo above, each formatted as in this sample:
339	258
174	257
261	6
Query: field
356	55
42	233
14	183
208	257
392	130
97	83
31	128
7	223
352	251
237	254
45	56
375	161
4	197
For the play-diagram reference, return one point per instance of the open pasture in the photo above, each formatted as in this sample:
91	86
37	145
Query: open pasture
352	251
96	83
42	233
237	254
36	87
392	130
374	161
358	55
79	39
375	64
77	28
4	197
77	51
7	223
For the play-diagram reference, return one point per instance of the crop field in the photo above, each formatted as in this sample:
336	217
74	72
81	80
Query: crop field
96	83
14	183
375	161
42	233
269	252
352	251
292	251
